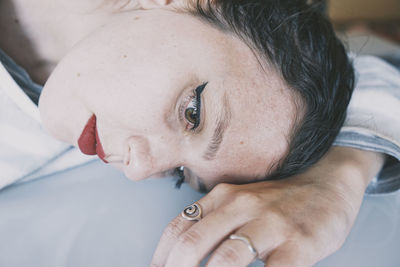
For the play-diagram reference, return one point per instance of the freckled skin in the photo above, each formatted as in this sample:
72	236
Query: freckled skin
170	54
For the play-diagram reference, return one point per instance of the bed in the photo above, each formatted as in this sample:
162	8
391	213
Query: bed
93	216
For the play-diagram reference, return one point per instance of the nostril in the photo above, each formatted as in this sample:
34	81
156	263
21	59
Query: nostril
127	157
113	159
138	161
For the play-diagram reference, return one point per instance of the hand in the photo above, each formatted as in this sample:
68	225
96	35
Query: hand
292	222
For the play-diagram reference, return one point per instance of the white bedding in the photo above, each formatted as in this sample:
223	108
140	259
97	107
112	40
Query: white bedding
93	216
26	150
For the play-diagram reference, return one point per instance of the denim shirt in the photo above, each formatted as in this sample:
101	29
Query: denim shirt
372	122
373	119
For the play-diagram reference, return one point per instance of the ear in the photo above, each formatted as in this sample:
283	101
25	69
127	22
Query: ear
151	4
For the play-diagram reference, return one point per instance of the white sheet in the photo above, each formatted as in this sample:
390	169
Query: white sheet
26	150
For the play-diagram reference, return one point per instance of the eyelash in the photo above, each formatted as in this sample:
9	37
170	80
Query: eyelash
192	102
196	99
180	173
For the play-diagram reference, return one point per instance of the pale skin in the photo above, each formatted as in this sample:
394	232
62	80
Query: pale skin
139	80
292	222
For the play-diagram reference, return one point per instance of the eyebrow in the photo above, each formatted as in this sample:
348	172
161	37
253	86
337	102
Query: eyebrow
222	123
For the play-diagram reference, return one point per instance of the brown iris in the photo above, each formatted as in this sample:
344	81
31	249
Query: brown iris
191	115
192	111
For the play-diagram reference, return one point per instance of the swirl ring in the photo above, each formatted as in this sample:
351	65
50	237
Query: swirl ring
192	212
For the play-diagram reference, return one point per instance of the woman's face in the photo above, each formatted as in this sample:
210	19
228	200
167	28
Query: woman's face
138	75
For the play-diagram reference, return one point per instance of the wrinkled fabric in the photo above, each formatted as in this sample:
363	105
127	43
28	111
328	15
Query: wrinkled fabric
26	150
373	118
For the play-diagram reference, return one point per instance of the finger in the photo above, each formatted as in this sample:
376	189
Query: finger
194	244
174	229
287	255
231	253
263	237
168	239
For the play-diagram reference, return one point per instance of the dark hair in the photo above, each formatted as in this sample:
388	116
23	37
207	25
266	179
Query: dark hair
299	41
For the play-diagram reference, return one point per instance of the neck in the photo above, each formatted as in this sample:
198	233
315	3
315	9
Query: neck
39	33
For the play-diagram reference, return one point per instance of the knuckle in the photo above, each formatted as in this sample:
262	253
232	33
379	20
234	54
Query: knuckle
249	198
190	239
174	229
226	256
304	231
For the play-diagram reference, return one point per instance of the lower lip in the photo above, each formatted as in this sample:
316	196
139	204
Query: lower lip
89	141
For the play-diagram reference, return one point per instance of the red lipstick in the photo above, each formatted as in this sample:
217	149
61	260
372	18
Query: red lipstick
89	141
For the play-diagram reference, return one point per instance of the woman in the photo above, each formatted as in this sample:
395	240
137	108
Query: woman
277	217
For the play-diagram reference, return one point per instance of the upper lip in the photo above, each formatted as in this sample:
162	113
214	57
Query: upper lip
89	141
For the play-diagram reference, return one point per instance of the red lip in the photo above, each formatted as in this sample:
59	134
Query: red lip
89	141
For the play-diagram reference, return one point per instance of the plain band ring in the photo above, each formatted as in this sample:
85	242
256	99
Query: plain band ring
247	241
192	212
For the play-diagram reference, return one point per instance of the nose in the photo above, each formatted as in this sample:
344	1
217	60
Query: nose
148	158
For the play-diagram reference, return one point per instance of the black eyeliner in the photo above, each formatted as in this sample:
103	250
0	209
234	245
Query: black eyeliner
198	91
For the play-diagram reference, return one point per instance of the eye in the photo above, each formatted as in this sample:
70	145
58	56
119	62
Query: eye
183	175
180	173
192	109
192	114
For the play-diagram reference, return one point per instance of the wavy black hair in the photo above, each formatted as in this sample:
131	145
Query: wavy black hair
298	40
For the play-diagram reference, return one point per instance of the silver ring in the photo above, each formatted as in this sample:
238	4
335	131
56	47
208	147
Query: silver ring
192	212
247	241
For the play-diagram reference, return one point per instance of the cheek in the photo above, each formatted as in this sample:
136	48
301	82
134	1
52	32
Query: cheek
62	112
